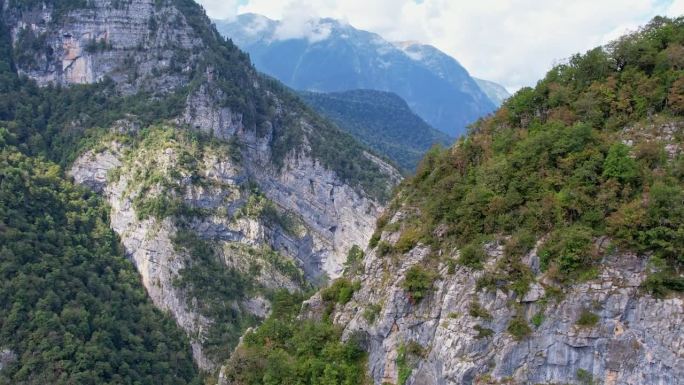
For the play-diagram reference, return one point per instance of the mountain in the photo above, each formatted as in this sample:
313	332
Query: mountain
219	184
545	247
161	200
73	307
381	120
496	92
449	69
327	55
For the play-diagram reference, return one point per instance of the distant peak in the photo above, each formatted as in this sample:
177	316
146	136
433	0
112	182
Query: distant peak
253	16
406	44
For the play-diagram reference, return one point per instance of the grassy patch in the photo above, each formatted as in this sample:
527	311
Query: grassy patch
538	319
418	282
354	262
340	291
472	255
407	356
585	377
371	312
518	328
483	332
476	310
587	319
384	248
407	240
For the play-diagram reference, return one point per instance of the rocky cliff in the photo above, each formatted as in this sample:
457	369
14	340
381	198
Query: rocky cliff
459	334
546	246
239	178
132	42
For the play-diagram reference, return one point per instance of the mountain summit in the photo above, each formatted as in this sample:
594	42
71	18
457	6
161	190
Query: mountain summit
327	55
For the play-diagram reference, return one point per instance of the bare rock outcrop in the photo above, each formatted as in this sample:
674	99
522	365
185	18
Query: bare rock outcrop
632	338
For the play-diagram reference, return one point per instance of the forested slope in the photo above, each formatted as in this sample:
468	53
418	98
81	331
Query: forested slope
72	308
593	150
381	120
544	247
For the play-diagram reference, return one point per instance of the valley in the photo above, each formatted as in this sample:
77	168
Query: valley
169	213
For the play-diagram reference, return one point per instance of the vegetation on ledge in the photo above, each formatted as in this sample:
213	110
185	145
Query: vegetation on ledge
286	350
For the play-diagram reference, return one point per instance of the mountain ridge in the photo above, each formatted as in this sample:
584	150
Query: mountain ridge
381	120
494	91
330	56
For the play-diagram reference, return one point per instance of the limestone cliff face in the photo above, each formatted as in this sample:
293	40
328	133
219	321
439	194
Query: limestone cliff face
162	48
325	218
131	42
634	339
337	213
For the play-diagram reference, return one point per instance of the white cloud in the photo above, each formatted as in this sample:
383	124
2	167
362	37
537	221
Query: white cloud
257	26
513	42
676	9
220	9
300	19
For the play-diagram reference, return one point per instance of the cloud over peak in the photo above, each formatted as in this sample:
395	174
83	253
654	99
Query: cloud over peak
512	42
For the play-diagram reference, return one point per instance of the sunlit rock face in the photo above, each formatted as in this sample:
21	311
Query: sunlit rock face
636	339
151	47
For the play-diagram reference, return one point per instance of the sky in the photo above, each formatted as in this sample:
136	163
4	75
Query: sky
511	42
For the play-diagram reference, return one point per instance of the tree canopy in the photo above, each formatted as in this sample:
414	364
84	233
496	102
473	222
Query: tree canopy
72	307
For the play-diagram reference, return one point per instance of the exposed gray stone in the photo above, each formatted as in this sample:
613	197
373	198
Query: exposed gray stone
7	357
535	293
637	340
135	53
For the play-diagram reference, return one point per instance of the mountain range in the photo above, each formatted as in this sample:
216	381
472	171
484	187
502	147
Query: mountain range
327	55
169	214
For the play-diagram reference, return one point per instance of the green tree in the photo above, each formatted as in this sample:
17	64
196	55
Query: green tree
72	306
418	282
620	165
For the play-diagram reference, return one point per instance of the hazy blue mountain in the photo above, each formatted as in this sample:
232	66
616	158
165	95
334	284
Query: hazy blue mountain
331	56
449	69
496	92
381	120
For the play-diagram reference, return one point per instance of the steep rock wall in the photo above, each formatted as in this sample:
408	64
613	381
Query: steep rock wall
160	47
634	339
130	42
326	217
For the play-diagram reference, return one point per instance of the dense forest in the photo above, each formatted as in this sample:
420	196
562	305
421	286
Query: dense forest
72	307
288	350
381	120
593	150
